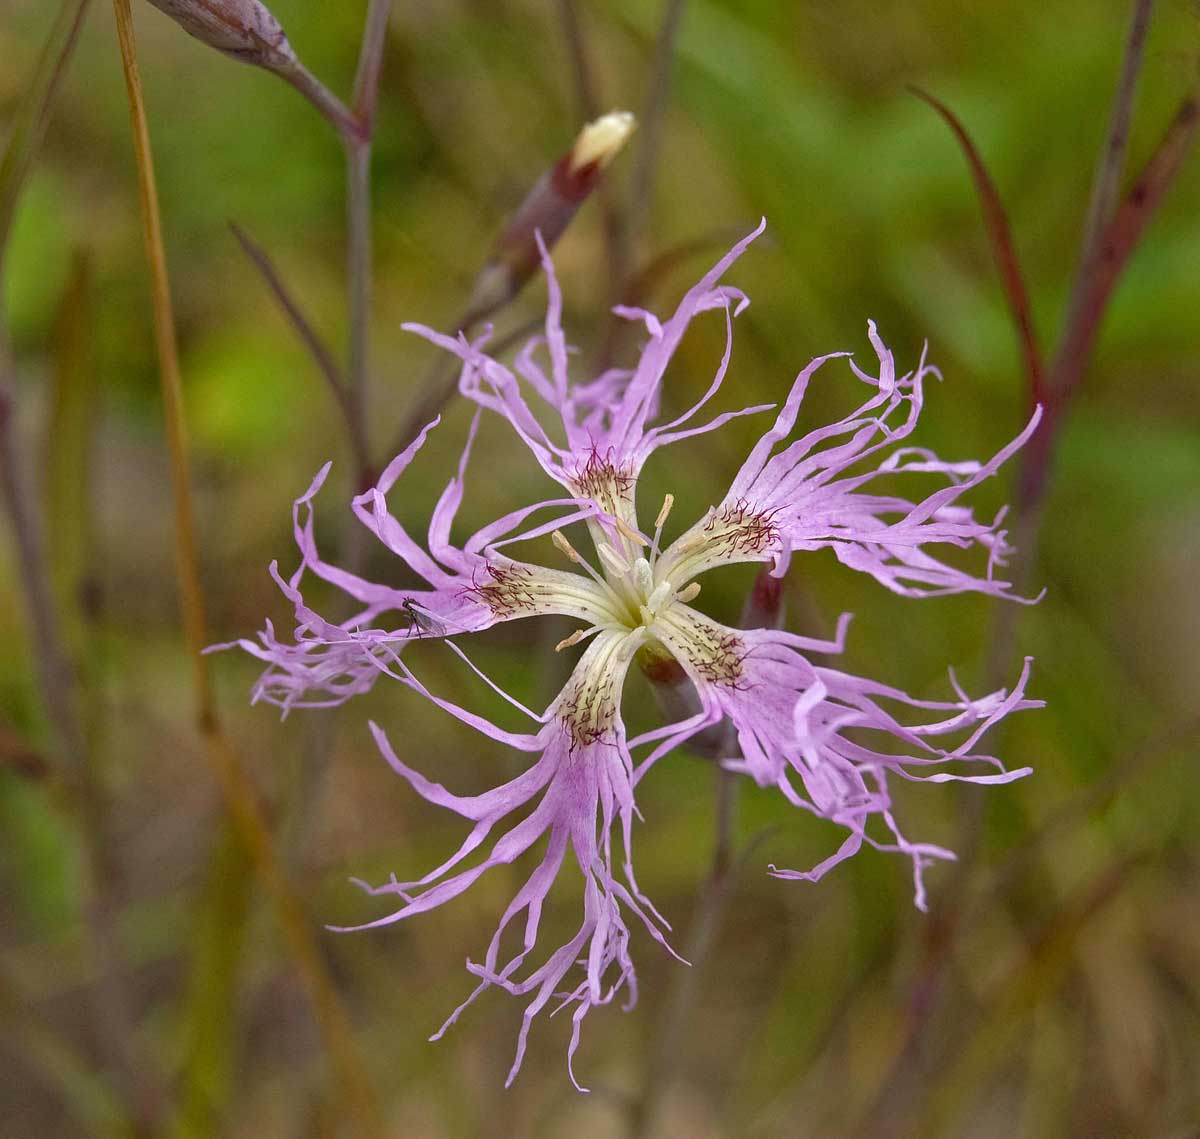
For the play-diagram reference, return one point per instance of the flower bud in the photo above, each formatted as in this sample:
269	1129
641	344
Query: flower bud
548	210
243	29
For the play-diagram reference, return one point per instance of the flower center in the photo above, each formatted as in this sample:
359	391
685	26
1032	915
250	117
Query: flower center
631	574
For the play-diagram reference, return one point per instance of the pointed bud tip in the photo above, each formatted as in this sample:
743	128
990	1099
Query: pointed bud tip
600	141
243	29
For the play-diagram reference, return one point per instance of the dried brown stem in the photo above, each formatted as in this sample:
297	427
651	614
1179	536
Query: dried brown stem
236	785
112	1011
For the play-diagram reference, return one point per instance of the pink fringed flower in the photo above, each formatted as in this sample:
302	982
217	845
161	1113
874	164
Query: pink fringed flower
827	740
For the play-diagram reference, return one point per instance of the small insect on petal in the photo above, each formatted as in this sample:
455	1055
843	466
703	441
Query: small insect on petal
422	621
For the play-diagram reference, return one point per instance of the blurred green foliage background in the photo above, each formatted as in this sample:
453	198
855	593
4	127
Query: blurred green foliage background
1070	1004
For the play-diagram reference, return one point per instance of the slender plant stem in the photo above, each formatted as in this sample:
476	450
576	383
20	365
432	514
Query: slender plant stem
317	348
1118	242
582	75
358	220
33	116
335	111
235	782
630	230
1004	252
1115	246
1110	165
370	63
112	999
1110	237
358	278
645	167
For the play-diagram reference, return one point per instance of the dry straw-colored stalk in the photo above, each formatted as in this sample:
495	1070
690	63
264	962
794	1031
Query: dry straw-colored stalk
236	785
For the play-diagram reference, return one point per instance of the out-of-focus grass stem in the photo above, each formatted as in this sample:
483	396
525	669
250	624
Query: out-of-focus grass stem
654	110
669	1040
31	119
1111	235
87	1096
236	785
1110	165
112	1000
630	230
112	1010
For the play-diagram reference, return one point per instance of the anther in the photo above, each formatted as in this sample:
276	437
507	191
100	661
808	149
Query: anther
688	593
573	639
668	502
627	531
566	547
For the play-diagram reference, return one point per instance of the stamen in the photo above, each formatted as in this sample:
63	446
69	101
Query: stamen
573	639
668	502
612	559
627	531
688	593
566	547
561	542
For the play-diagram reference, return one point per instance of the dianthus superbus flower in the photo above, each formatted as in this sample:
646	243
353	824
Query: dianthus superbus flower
829	741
